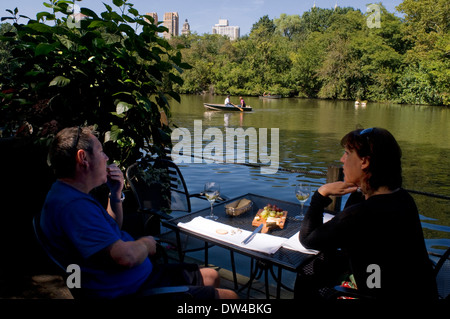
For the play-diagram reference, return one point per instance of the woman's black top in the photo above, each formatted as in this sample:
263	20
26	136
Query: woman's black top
384	231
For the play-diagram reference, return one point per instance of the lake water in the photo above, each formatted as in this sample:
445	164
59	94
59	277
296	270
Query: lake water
309	140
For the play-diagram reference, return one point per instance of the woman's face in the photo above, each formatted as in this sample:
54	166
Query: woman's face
353	167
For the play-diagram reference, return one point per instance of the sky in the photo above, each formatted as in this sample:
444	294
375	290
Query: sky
202	15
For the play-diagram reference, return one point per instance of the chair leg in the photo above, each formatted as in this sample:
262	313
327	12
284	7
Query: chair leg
206	254
233	267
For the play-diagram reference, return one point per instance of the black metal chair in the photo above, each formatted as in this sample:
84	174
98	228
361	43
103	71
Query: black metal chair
155	195
79	293
442	273
441	270
159	187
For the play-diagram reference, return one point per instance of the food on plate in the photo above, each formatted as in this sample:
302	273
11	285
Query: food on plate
271	216
271	211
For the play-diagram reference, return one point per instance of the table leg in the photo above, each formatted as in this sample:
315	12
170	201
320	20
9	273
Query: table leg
279	283
266	279
233	268
180	250
253	275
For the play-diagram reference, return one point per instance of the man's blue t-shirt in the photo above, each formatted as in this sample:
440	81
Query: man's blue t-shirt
78	227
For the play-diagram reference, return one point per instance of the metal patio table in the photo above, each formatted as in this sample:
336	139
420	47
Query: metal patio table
283	258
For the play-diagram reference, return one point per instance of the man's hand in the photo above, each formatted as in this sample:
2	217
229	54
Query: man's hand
337	189
115	180
150	242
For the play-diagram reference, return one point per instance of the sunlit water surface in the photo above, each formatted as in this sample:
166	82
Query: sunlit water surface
309	140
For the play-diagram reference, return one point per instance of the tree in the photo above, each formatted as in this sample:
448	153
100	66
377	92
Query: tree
264	28
427	27
317	19
340	72
288	26
5	51
305	63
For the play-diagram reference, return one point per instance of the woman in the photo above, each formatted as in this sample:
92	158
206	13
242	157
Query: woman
377	237
242	101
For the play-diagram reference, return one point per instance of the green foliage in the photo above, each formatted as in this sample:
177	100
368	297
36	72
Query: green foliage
331	54
111	71
427	28
264	28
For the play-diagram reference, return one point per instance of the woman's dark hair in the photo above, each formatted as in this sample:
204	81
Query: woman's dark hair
65	145
385	168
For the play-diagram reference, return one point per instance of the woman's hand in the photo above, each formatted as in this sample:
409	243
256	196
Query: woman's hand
337	189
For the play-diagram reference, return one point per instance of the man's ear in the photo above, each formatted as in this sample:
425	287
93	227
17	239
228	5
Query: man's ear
81	158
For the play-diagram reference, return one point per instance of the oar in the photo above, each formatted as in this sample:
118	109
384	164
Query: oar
240	109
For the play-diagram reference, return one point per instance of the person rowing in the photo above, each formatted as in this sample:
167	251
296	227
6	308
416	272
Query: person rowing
228	103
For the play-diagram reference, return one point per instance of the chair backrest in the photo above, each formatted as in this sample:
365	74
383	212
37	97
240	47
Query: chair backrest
442	273
152	193
59	262
44	243
147	194
180	199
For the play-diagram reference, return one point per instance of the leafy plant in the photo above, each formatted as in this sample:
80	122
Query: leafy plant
157	181
110	70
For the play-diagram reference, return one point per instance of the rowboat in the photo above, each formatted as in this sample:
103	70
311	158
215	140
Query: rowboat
229	108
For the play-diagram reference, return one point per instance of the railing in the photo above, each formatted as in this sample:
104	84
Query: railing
334	173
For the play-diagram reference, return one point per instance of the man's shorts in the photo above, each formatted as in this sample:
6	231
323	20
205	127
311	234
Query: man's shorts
169	275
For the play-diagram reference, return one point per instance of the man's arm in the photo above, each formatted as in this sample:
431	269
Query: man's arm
115	209
132	253
115	184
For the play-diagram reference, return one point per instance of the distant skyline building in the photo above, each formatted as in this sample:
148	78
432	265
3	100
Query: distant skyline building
154	15
186	30
223	28
171	21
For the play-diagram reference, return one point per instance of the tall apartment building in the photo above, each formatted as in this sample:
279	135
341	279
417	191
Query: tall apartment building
154	15
171	22
222	28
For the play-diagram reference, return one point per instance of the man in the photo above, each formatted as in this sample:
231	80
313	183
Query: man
227	101
82	232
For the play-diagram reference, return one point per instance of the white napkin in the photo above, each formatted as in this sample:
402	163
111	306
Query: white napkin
293	243
261	242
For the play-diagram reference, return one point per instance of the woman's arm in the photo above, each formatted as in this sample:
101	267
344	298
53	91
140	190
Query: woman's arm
313	233
337	189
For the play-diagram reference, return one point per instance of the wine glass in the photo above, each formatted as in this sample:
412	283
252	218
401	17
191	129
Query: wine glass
302	192
212	191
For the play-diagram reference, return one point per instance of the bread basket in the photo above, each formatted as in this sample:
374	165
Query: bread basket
238	207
